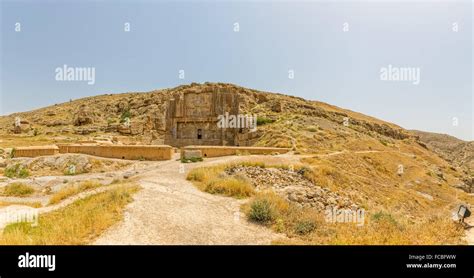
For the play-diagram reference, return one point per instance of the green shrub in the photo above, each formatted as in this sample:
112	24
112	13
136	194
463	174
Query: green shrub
9	172
16	171
125	114
24	173
195	159
304	227
192	159
261	211
263	121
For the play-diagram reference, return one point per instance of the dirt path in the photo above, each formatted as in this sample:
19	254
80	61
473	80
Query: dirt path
171	210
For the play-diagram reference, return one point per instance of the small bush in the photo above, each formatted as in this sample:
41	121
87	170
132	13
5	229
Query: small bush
9	172
125	114
261	211
192	159
24	173
304	227
17	171
266	207
18	189
263	121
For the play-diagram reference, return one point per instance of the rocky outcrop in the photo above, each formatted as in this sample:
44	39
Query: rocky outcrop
83	116
454	150
61	164
22	126
292	186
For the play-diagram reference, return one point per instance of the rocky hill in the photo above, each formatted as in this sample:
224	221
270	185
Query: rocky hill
457	151
308	127
106	114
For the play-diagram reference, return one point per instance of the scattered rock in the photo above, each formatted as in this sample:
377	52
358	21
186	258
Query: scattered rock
60	164
292	186
128	174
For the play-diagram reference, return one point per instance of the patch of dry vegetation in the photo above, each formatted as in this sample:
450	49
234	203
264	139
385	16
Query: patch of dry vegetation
78	223
213	180
17	189
60	165
373	181
306	226
72	190
30	204
395	211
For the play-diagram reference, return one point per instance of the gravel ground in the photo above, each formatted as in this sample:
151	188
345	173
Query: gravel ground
172	211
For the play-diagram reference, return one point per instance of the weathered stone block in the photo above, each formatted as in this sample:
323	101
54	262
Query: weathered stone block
189	154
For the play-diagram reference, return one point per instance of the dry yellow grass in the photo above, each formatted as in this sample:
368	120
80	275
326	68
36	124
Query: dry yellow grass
75	224
395	211
72	190
30	204
373	182
17	189
214	181
306	226
229	187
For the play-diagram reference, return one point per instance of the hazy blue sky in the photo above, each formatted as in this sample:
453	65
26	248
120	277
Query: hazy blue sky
330	65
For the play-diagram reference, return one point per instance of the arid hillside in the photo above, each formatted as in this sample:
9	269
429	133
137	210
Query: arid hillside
309	127
457	151
403	179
